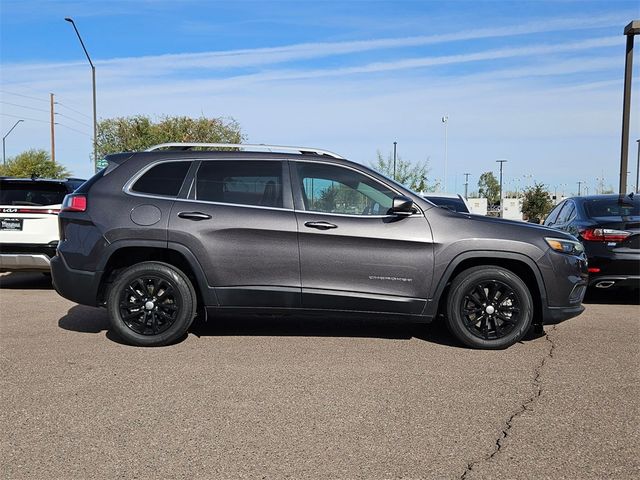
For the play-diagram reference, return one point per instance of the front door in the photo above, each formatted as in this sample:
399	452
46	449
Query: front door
354	255
238	220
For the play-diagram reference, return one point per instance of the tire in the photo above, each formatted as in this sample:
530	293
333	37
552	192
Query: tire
489	307
151	304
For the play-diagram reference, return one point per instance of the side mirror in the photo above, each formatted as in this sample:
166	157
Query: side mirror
402	206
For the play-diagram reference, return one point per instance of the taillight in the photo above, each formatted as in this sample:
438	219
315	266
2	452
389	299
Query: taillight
74	203
604	235
50	211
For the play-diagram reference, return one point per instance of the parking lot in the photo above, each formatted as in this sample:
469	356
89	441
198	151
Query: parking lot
287	398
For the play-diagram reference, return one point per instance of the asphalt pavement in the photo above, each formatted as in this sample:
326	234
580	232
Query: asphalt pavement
274	398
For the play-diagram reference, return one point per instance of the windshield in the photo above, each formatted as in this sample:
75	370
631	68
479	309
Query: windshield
613	207
31	193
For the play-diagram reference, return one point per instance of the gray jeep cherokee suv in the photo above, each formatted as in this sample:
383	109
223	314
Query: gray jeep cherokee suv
157	236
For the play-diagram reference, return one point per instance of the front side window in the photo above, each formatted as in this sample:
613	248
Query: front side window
333	189
163	179
242	182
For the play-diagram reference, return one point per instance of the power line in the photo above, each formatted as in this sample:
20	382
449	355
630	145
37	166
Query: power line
23	118
24	106
73	119
71	128
73	110
25	96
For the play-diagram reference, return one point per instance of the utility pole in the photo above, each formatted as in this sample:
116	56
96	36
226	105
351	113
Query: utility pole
466	184
395	144
579	185
501	199
53	131
630	31
638	167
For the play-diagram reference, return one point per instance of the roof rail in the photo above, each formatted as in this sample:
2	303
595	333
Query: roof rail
243	146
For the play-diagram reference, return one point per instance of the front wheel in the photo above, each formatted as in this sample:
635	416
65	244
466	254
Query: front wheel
489	307
151	304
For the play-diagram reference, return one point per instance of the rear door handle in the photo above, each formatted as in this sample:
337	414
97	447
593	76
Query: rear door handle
320	225
194	216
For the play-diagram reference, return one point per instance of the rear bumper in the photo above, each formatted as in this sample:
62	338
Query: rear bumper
76	285
609	281
24	262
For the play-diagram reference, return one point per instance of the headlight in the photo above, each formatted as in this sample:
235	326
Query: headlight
563	245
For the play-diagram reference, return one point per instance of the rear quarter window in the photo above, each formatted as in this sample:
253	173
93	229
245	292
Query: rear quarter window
163	179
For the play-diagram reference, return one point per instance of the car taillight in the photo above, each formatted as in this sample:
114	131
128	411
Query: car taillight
50	211
74	203
604	235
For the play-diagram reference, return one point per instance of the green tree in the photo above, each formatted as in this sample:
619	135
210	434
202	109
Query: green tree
412	175
31	163
128	134
489	188
536	202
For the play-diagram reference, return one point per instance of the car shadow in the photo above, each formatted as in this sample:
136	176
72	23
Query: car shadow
25	281
612	296
95	320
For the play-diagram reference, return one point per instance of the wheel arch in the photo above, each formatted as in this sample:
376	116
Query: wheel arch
519	264
125	254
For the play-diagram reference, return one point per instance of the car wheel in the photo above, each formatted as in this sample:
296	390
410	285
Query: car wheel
151	304
489	307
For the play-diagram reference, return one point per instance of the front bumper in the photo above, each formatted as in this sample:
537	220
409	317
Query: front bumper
76	285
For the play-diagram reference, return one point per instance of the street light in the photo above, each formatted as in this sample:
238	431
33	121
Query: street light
93	80
4	160
630	31
501	201
395	144
445	120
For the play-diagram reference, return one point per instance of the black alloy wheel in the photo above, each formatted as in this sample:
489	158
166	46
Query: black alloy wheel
151	304
489	307
490	310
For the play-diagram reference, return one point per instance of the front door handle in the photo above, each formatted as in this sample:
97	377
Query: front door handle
194	216
320	225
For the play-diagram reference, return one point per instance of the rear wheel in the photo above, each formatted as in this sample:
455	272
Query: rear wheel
151	304
489	307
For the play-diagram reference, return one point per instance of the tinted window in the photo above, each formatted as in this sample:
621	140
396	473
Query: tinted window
31	193
333	189
612	207
565	213
240	182
163	179
454	204
553	216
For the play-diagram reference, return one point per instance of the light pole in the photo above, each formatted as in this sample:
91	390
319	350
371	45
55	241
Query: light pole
501	200
4	159
445	120
466	184
93	80
395	144
638	167
579	187
630	31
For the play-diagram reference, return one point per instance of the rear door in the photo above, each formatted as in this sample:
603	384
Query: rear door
239	222
353	254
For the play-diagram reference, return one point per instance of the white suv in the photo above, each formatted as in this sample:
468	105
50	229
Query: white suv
29	221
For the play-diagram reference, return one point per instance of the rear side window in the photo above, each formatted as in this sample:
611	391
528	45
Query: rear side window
240	182
164	179
612	207
32	193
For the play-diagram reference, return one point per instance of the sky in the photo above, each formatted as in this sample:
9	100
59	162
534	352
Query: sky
534	82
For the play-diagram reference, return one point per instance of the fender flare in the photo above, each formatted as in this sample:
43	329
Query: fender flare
431	307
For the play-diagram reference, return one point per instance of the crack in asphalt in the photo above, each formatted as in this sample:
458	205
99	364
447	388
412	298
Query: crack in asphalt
506	430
